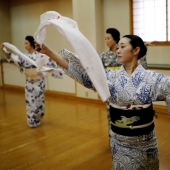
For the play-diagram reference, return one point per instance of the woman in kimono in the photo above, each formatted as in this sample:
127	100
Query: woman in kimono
133	89
110	60
35	81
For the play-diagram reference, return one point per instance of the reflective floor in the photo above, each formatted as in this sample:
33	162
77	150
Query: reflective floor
73	136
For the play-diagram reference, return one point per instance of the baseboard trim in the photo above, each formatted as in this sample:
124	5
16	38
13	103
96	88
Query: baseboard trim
71	96
63	95
160	109
13	88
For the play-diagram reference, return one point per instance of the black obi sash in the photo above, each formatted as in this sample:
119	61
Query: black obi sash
134	118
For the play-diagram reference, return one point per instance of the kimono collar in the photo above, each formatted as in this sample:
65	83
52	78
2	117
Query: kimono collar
35	52
138	69
111	52
136	77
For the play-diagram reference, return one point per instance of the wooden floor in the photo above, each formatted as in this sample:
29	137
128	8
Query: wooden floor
73	136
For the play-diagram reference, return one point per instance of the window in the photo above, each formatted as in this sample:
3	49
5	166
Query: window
151	19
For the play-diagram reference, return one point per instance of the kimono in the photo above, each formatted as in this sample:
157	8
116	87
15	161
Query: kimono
110	62
34	86
137	91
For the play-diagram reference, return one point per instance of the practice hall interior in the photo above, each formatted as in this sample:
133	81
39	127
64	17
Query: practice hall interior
85	84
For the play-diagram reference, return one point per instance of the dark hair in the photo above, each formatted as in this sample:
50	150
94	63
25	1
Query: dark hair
31	40
136	41
115	33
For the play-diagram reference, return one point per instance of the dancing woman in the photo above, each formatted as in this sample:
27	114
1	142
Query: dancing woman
35	81
133	89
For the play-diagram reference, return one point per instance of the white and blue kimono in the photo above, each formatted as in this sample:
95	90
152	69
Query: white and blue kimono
34	85
110	62
128	92
109	59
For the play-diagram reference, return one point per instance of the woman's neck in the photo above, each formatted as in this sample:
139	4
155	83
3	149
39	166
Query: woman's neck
113	49
31	51
130	67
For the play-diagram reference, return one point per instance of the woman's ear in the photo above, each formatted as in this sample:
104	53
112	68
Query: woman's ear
136	50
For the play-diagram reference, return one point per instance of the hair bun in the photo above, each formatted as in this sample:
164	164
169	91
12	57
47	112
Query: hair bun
136	41
142	52
115	33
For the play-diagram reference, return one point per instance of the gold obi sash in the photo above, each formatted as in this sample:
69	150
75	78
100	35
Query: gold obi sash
32	74
113	68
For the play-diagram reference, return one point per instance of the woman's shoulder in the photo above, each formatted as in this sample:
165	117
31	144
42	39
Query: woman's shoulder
156	76
105	53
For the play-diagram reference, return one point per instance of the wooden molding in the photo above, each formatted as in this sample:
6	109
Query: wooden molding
131	15
159	66
71	96
13	88
162	43
50	93
2	74
160	109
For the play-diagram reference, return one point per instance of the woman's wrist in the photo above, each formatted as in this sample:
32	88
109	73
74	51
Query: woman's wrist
50	53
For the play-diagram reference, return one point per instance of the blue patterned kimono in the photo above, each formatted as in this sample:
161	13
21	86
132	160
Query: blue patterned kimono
34	86
110	62
138	90
109	59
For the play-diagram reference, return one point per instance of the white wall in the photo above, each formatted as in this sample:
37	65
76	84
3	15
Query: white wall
116	15
25	18
158	55
99	20
5	28
12	75
66	84
84	15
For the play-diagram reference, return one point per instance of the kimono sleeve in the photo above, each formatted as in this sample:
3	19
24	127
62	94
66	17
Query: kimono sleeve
75	69
163	88
102	56
52	64
166	88
15	59
143	62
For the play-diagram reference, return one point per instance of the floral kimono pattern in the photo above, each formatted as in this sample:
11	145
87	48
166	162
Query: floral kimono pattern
140	89
109	60
34	86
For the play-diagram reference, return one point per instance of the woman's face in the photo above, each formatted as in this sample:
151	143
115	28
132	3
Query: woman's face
110	42
27	45
125	52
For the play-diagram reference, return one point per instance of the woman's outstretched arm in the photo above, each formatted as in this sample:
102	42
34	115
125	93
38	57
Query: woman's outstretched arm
4	52
53	55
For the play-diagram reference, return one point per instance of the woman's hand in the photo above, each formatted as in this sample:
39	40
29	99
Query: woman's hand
52	54
43	50
150	43
4	51
2	46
